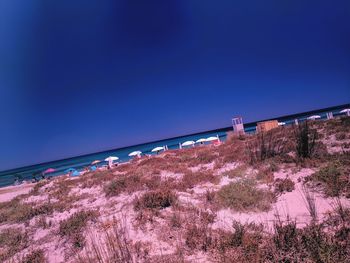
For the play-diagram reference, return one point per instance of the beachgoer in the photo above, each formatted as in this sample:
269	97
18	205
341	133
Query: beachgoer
110	162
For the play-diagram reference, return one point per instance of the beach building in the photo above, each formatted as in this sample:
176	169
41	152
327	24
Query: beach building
266	125
237	124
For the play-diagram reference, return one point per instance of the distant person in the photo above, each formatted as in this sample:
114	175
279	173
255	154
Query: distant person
110	164
34	178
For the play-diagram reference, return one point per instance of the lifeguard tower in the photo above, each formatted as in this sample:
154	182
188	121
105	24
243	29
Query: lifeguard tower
237	124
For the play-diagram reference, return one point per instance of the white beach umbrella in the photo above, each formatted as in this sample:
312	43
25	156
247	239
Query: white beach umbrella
314	117
135	153
281	123
188	143
201	140
211	139
111	159
157	149
347	111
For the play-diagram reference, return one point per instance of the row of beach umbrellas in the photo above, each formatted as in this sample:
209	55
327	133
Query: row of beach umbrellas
201	141
74	172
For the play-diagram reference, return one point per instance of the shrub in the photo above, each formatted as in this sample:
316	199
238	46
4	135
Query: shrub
242	245
158	199
305	140
244	195
198	237
36	188
210	196
266	145
191	179
12	240
333	178
340	136
239	171
36	256
72	227
129	183
15	211
114	247
284	185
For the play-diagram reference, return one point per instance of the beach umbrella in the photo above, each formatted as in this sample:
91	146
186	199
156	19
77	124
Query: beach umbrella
281	123
95	162
347	111
157	149
188	143
201	140
93	168
211	139
111	159
135	153
75	173
314	117
50	170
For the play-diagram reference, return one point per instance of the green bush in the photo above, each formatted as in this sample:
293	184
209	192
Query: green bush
333	178
244	195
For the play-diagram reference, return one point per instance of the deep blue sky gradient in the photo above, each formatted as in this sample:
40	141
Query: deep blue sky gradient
83	76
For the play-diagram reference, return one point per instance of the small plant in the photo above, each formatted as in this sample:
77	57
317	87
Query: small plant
198	237
175	220
333	178
114	247
266	145
284	185
158	199
72	227
244	195
310	203
128	183
237	172
210	196
191	179
340	136
36	256
16	211
12	240
305	140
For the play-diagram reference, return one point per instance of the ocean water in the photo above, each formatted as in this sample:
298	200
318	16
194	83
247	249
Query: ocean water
8	177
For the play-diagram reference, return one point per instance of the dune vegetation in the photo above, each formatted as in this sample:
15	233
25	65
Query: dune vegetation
278	196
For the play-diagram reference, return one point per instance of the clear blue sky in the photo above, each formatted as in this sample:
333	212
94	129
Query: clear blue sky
83	76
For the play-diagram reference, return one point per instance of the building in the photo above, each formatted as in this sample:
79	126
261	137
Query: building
237	124
266	125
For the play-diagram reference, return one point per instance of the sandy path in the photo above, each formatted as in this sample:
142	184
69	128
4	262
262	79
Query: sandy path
10	192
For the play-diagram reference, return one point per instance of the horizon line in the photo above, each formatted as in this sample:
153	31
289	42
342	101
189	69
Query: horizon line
176	137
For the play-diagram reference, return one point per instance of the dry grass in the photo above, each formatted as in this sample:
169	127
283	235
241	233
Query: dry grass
191	179
35	256
12	240
265	145
72	227
284	185
239	171
158	199
114	246
15	211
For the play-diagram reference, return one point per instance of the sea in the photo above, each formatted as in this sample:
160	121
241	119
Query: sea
8	177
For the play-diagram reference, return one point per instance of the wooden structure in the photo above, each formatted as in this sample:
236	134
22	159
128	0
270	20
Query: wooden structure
237	124
266	125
